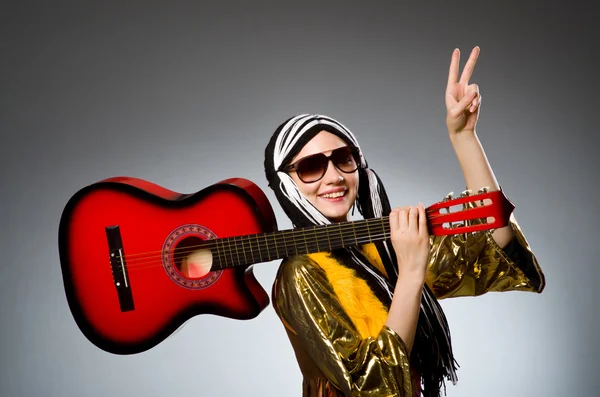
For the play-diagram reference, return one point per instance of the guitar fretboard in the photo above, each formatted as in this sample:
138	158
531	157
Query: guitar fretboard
263	247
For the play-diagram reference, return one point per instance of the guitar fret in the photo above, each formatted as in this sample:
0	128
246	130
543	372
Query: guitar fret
224	253
229	240
268	250
258	247
295	244
285	243
243	249
251	250
230	250
305	244
217	251
333	237
316	238
236	250
275	240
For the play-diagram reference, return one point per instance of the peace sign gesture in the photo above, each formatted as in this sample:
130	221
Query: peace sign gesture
462	99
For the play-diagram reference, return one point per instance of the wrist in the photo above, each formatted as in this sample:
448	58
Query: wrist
410	282
462	137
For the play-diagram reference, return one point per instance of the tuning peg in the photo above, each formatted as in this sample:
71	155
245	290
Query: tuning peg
448	196
466	193
484	189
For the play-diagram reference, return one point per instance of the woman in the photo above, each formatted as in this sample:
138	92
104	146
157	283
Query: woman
365	320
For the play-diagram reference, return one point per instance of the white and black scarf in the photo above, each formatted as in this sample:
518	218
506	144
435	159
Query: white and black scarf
432	352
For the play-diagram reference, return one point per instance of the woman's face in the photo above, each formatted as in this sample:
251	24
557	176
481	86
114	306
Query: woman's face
319	193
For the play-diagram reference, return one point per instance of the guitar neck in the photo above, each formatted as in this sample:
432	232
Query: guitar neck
265	247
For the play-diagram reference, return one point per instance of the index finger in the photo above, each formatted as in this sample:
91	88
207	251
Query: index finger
468	70
393	221
422	220
453	73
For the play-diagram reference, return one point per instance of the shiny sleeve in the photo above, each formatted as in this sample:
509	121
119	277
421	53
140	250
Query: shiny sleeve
472	264
307	305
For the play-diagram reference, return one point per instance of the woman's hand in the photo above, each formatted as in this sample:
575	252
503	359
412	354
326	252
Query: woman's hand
410	239
462	99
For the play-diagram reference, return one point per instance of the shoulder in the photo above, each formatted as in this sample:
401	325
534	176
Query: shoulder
318	274
295	269
299	281
316	268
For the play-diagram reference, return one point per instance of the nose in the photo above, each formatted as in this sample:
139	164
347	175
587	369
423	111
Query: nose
332	174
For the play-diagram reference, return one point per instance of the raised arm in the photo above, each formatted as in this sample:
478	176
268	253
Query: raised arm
476	263
463	104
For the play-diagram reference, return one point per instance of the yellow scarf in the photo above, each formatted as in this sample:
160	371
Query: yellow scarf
366	311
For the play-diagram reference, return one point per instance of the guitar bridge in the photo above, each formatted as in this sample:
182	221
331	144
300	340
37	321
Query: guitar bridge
119	268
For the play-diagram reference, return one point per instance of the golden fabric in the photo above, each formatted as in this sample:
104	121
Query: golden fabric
331	352
472	264
340	356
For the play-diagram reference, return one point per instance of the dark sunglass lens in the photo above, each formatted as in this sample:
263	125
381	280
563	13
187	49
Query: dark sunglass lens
344	159
311	168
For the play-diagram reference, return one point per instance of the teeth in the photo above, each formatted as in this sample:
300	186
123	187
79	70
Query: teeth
334	195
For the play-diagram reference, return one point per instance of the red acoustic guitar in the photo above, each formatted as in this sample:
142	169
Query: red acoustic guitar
123	243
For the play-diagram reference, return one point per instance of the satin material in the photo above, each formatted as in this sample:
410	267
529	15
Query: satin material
333	357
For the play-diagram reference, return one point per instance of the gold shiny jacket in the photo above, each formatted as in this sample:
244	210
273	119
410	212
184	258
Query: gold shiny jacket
336	325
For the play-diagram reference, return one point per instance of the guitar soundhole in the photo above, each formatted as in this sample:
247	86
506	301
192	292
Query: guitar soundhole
184	255
186	261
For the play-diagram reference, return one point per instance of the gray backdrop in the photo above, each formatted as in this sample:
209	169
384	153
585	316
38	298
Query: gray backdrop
187	95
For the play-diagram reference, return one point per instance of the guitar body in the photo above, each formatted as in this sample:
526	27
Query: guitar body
119	241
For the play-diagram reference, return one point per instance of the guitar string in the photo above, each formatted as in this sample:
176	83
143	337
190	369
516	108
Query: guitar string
323	231
246	245
447	205
282	245
309	247
263	239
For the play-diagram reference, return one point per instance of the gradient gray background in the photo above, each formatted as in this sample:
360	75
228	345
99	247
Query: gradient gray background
185	96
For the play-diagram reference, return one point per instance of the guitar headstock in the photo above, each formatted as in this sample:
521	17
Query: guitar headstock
444	216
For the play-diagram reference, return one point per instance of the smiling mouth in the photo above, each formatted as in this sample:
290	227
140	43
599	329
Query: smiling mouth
334	196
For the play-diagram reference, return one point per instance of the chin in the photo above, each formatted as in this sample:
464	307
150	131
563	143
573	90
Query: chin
335	212
336	216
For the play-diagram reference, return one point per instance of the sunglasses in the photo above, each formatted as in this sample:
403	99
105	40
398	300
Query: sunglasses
312	168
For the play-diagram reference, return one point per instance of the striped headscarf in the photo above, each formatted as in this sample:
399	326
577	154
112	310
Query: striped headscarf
432	352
